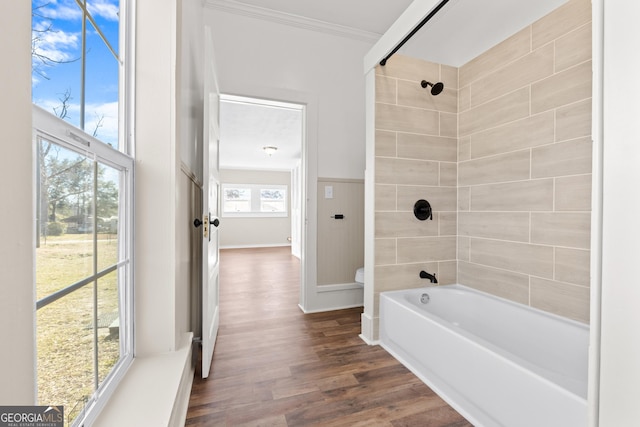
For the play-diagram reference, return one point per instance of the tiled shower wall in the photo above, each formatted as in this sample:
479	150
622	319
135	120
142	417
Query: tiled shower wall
524	165
519	116
416	158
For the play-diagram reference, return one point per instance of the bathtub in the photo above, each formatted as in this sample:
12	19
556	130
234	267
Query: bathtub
498	363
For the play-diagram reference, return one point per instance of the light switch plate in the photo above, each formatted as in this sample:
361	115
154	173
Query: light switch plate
328	191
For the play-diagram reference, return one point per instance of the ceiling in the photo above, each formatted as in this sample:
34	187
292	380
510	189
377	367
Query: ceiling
248	125
459	32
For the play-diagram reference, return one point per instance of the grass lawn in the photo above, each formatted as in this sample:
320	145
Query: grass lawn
65	333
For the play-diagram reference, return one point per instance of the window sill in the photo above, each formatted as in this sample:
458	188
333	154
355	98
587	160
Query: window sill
154	392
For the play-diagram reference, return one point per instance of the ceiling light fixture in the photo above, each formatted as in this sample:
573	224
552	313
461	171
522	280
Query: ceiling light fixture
270	149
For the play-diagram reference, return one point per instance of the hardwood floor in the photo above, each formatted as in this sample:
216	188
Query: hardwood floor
275	366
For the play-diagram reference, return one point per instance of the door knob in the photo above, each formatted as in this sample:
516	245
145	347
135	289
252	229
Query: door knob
198	223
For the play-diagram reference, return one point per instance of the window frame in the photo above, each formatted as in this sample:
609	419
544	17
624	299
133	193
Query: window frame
46	125
255	211
51	128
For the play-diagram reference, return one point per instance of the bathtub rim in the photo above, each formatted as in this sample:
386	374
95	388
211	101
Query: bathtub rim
512	359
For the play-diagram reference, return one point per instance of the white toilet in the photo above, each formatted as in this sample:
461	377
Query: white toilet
360	276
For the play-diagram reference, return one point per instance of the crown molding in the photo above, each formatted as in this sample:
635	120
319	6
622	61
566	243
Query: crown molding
278	17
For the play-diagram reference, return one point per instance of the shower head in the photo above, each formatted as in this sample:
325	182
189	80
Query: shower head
436	88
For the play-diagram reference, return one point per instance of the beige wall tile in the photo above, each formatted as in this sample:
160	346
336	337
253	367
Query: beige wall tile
525	133
449	125
407	119
447	272
412	94
518	196
427	147
408	68
566	87
464	199
535	66
495	225
464	99
408	172
426	249
572	266
440	198
386	90
385	197
501	168
464	148
561	229
499	111
401	276
560	298
448	174
573	121
518	257
464	244
562	158
498	56
403	224
385	251
385	143
564	19
449	76
505	284
448	223
573	193
573	48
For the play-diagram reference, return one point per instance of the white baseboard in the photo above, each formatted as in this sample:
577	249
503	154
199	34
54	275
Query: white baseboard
367	325
272	245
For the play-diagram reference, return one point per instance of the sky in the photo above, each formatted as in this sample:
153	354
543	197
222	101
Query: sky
57	36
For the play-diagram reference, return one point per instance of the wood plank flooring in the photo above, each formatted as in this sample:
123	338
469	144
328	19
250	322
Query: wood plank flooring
275	366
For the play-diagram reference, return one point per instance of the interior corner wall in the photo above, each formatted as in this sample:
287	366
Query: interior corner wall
415	158
17	256
255	232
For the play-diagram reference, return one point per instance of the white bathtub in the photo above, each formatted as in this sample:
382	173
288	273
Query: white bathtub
496	362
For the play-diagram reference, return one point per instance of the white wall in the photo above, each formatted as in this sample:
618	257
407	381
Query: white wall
620	311
254	53
322	71
17	361
157	169
255	232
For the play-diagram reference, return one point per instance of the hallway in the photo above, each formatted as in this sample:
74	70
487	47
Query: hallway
275	366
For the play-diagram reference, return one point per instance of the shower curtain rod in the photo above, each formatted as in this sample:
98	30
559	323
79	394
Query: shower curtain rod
414	31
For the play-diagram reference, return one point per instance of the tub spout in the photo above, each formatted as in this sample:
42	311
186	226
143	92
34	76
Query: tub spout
431	277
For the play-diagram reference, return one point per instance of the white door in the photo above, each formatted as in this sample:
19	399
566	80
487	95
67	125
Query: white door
210	205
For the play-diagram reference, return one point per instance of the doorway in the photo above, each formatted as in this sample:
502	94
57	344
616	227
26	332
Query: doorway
262	158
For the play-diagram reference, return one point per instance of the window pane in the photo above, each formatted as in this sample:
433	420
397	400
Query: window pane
64	253
272	200
108	332
57	58
101	91
65	351
107	204
106	14
237	200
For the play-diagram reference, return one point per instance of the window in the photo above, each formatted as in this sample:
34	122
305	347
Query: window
84	311
254	200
